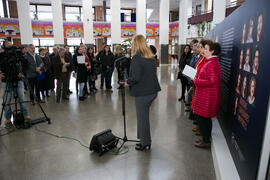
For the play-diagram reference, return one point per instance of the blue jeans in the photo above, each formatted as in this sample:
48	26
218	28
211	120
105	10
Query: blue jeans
81	86
20	95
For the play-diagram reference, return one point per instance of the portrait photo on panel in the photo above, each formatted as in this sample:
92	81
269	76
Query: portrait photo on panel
235	106
241	57
244	31
256	59
237	89
244	88
252	87
259	27
250	31
247	61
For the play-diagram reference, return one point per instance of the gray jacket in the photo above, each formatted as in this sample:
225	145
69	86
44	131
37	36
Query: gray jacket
32	65
143	79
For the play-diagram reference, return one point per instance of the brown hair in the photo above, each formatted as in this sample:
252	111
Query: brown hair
140	46
41	49
214	46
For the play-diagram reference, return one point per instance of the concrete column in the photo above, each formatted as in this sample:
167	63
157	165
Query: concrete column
141	17
185	10
164	11
58	30
88	22
25	22
219	12
115	22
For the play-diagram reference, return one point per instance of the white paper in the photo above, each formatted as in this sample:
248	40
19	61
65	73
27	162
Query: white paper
81	59
189	71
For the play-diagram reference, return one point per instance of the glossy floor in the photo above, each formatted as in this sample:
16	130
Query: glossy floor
29	154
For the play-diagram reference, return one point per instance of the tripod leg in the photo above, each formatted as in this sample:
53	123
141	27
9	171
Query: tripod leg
30	89
5	97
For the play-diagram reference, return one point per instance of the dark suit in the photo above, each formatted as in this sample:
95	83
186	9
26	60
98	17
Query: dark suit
31	73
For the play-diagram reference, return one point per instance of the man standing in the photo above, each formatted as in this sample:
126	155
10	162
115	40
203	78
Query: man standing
34	64
52	76
61	64
10	73
71	67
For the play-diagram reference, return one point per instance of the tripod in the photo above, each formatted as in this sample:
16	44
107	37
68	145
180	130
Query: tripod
124	139
10	83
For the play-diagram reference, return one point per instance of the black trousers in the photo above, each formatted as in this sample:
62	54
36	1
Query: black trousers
108	77
185	85
33	88
205	125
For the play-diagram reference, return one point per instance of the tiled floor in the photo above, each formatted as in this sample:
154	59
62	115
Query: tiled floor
29	154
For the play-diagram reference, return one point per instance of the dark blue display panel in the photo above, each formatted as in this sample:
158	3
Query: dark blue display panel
245	60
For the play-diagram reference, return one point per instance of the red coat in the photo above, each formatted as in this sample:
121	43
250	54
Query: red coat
198	67
207	94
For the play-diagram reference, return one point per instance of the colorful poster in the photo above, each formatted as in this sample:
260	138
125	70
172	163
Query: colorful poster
10	28
42	29
73	30
174	29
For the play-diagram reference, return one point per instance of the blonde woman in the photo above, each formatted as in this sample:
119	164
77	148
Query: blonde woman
144	86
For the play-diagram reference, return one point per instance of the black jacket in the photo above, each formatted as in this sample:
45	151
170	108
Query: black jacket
106	60
80	69
142	77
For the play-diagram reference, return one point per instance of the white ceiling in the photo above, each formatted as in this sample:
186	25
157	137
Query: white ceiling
150	4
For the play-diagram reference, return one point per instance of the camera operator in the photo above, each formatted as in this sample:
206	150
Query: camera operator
11	75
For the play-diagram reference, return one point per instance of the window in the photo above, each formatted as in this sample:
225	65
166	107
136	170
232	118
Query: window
127	15
73	13
44	12
74	41
41	12
1	9
46	42
108	15
35	42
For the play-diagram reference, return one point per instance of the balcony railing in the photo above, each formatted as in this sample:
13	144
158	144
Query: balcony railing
208	16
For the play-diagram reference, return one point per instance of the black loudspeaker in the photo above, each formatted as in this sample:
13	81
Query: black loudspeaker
103	142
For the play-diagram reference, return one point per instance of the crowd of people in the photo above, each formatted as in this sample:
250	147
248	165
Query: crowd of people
203	91
40	71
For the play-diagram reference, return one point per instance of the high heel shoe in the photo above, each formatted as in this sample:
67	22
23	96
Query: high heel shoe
141	148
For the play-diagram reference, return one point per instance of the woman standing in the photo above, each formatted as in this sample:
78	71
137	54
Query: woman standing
184	60
92	74
107	65
44	84
118	53
81	67
207	94
144	86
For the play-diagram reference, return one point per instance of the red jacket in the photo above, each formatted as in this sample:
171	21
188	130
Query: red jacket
198	67
207	94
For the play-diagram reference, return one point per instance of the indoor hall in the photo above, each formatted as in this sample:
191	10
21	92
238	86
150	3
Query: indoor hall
31	154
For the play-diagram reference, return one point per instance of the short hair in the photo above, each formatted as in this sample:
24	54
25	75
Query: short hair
214	46
194	41
41	49
66	46
61	49
203	42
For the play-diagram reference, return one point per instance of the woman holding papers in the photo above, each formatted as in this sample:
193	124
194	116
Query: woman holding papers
82	65
184	60
207	94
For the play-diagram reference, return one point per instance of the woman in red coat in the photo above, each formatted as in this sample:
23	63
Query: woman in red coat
207	96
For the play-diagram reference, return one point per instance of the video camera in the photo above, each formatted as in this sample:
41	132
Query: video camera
122	65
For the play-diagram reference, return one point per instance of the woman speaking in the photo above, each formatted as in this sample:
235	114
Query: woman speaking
144	86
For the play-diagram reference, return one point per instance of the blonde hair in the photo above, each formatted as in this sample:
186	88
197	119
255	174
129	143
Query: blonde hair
118	49
140	46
